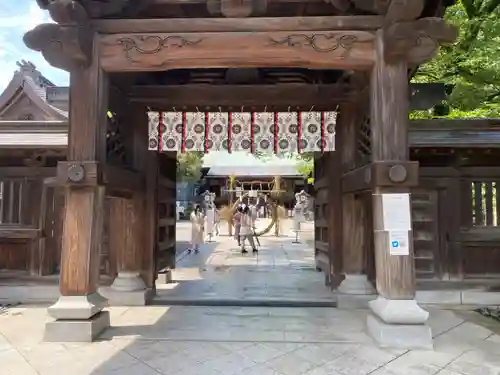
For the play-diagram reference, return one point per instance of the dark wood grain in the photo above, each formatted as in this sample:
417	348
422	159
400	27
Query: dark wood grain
83	218
314	50
389	138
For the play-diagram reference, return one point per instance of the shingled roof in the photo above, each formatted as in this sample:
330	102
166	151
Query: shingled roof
30	82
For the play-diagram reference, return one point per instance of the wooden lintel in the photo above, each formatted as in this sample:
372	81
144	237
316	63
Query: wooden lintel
91	173
292	49
461	172
280	95
15	232
357	180
121	179
252	24
27	172
381	174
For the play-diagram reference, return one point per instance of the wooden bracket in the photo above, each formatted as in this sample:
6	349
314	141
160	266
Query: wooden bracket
417	41
381	174
64	47
404	10
93	174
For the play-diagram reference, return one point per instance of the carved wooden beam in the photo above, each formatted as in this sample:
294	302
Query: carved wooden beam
321	50
64	47
417	41
255	24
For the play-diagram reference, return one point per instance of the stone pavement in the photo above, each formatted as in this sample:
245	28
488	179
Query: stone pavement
159	340
281	273
206	340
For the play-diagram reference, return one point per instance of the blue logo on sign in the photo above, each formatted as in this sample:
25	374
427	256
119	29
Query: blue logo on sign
395	243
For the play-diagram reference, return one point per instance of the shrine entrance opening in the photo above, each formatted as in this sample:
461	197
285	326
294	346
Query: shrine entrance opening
286	266
352	55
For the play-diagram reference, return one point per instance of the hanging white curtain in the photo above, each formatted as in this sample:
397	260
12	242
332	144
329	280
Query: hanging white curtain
268	132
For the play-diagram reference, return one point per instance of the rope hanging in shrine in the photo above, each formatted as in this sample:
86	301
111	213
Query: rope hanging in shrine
268	132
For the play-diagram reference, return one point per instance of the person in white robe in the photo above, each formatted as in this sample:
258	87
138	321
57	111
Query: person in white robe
197	228
216	221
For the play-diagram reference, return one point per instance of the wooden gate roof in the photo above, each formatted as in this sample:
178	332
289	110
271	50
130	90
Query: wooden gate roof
466	133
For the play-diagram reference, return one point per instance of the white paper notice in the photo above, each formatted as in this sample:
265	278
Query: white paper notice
399	242
396	211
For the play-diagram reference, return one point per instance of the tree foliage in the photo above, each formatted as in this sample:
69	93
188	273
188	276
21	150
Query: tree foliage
189	166
471	65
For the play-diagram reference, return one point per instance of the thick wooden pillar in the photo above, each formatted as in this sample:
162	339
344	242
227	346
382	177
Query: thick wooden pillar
397	320
148	162
83	213
354	216
84	205
389	134
334	213
127	217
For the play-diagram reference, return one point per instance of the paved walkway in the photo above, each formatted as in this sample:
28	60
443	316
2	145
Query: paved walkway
202	340
281	273
158	340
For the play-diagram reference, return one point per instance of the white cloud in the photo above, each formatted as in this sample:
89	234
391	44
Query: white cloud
18	17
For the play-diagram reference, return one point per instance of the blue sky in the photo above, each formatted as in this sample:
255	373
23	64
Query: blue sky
17	17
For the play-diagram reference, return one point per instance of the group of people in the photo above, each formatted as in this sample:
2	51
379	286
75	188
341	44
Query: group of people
199	224
244	227
243	221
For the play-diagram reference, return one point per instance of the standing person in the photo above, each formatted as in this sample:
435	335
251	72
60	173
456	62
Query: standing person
237	223
216	220
197	228
246	230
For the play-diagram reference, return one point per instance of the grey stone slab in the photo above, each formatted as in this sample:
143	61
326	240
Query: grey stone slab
478	297
76	330
354	301
134	298
452	297
401	336
29	294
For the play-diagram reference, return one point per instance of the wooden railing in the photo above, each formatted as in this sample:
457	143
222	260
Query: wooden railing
14	201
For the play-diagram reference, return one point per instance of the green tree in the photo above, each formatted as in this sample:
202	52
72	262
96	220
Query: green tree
305	165
471	65
189	166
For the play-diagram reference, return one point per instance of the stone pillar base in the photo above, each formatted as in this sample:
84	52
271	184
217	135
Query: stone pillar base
77	307
399	324
128	298
356	284
80	330
399	336
128	289
164	277
355	292
127	281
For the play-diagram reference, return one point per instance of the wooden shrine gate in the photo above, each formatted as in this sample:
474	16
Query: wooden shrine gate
347	54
